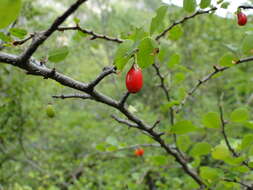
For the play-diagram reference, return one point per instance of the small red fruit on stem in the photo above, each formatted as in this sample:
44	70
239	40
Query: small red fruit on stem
242	18
134	80
139	152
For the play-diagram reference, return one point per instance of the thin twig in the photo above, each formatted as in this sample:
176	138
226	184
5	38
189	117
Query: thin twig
42	37
92	33
241	183
207	78
125	122
245	7
106	71
183	20
198	84
223	131
123	99
20	42
155	124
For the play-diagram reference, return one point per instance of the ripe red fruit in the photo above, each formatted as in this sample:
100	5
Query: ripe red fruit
242	18
139	152
134	79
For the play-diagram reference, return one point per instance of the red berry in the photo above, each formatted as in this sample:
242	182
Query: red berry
139	152
134	79
242	18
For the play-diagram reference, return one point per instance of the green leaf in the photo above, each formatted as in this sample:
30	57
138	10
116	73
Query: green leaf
200	149
174	60
4	37
227	60
211	120
9	11
240	115
18	32
241	169
179	77
164	52
205	3
247	45
234	161
79	35
123	54
183	142
225	5
183	127
249	124
101	147
210	174
189	5
247	141
159	160
250	153
58	54
146	55
176	32
167	106
76	20
219	1
138	35
220	152
157	21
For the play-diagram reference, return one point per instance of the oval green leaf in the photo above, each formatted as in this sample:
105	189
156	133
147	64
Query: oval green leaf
9	11
58	55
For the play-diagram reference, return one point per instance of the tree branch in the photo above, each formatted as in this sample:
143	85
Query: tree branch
223	124
92	33
20	42
183	20
245	7
125	122
207	78
223	131
41	37
123	99
81	96
106	71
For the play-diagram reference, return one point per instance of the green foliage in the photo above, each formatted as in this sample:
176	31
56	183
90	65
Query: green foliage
123	54
200	149
58	55
146	52
18	32
240	115
183	127
212	120
7	17
205	3
190	5
157	21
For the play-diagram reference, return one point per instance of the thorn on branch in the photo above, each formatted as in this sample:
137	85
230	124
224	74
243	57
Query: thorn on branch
155	124
161	134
